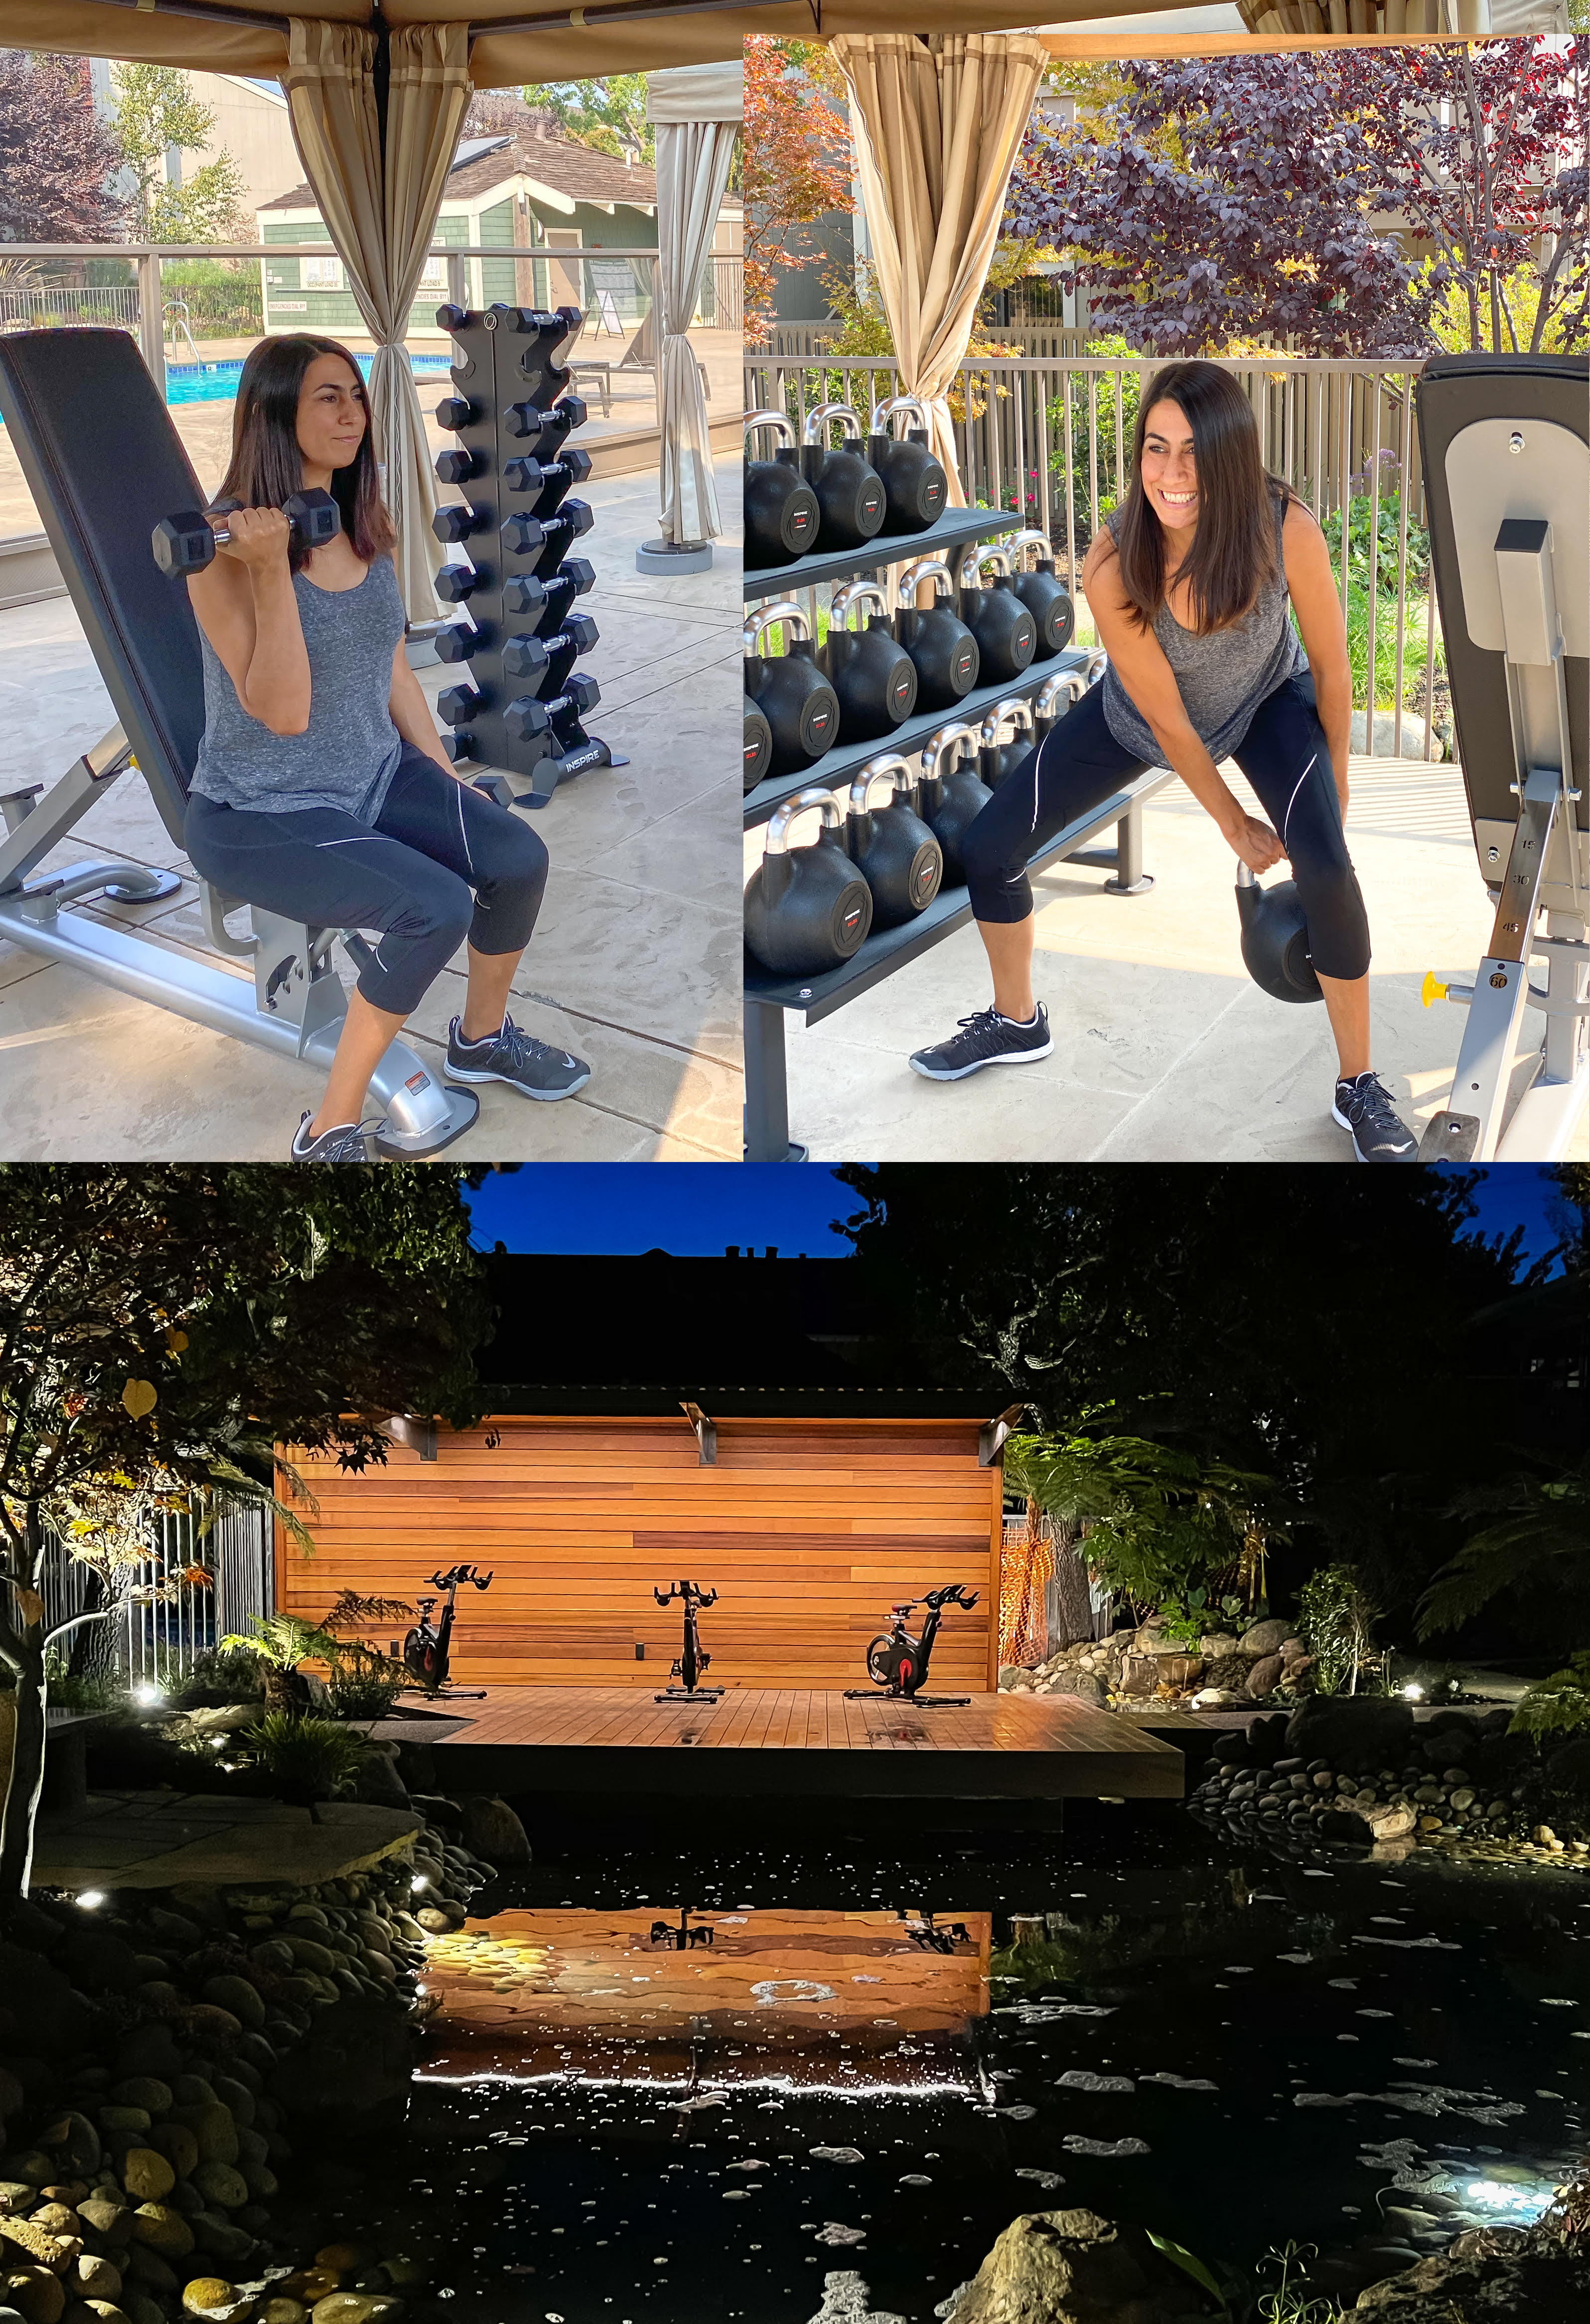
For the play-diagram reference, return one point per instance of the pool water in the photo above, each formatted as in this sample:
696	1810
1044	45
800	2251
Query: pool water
865	2072
217	382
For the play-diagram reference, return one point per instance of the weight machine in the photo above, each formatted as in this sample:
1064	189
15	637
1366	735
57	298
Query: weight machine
1505	447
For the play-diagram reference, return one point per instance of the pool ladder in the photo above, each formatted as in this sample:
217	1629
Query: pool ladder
179	309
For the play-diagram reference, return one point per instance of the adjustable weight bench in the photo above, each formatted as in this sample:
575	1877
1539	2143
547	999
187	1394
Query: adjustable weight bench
1505	446
105	464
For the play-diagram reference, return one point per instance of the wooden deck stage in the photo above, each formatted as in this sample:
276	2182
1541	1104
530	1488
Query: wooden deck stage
792	1741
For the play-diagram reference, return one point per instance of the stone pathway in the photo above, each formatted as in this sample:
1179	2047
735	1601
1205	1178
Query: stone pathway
167	1839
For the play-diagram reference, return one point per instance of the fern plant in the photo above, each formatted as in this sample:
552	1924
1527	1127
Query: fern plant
1556	1705
307	1759
279	1644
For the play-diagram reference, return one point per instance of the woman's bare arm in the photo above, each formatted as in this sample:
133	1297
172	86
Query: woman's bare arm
1312	588
1151	682
244	602
410	713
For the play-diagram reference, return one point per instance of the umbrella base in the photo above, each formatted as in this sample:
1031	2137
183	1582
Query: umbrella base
661	558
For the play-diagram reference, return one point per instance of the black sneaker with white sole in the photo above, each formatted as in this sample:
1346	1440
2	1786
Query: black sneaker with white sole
985	1039
516	1058
346	1141
1364	1106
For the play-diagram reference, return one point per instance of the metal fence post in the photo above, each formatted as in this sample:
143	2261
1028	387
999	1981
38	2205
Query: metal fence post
152	327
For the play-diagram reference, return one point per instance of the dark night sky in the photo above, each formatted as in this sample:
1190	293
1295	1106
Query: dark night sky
696	1209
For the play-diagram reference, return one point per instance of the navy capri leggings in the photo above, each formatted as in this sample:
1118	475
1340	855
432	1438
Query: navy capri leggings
410	876
1079	763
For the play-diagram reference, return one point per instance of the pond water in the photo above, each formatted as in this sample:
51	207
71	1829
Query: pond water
903	2033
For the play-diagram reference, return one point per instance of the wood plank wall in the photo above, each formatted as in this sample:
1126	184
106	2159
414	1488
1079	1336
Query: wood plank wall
808	1529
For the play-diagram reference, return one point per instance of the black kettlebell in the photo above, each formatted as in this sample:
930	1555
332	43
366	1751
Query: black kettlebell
890	846
916	489
1275	938
849	495
871	672
996	759
938	641
781	507
759	743
807	909
802	708
1054	698
951	803
1048	600
1005	632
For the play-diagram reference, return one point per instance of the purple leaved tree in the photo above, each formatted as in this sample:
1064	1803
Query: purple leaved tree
57	158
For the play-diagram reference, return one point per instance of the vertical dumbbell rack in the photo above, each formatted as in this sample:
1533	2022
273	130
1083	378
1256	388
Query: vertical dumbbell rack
518	710
768	997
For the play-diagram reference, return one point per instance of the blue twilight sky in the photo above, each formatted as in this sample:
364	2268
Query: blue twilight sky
699	1208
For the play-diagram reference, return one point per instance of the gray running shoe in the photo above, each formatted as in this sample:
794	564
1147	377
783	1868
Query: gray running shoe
985	1039
1364	1107
516	1058
347	1142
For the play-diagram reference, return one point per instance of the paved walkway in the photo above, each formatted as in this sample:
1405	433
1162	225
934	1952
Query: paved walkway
635	962
1165	1051
164	1839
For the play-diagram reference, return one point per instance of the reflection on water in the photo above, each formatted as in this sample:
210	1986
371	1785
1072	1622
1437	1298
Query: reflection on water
842	2002
872	2051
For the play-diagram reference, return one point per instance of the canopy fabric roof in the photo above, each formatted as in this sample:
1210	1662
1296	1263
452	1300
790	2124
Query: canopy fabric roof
641	35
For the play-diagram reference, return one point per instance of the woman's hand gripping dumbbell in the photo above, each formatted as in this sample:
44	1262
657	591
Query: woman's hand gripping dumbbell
188	542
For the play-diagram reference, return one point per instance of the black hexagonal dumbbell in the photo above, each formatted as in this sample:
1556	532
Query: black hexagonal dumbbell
453	582
457	466
527	656
450	317
525	594
459	522
526	719
571	467
546	429
458	704
456	411
522	535
186	543
457	644
458	746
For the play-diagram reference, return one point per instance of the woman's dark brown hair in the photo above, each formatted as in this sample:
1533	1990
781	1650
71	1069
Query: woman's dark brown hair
267	465
1233	552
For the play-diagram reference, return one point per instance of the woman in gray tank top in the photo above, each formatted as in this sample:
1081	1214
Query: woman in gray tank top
321	790
1194	583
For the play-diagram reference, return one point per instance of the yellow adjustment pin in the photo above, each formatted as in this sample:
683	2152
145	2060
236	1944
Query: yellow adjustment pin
1431	990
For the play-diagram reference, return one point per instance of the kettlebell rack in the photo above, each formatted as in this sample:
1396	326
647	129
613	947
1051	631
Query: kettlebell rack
768	995
519	705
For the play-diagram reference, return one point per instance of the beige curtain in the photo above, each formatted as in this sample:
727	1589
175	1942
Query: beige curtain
693	160
936	127
383	224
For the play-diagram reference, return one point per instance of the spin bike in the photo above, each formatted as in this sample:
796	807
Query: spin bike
427	1647
897	1662
692	1659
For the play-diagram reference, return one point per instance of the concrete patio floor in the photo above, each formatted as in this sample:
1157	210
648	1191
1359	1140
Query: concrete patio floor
1165	1051
635	964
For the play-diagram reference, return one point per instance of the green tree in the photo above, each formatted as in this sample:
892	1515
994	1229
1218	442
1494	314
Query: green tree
608	116
1537	1541
163	1330
155	109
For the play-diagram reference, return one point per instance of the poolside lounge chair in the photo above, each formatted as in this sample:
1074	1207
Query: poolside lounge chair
105	464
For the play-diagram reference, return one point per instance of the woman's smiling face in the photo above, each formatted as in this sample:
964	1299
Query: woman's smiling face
1169	476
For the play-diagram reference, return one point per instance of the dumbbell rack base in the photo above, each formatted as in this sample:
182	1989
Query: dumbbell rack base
768	997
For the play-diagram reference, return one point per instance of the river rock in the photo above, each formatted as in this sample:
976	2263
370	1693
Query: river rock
148	2051
37	2293
111	2222
236	1994
43	1999
848	2300
213	2298
164	2230
146	2174
1357	1733
214	2130
354	2307
1081	1685
96	2311
1265	1675
94	2277
492	1830
21	2239
1216	1645
74	2142
220	2183
1541	2277
1261	1638
1072	2268
179	2147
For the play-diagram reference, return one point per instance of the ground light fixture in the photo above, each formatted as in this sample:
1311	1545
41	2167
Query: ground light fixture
88	1898
1413	1694
147	1693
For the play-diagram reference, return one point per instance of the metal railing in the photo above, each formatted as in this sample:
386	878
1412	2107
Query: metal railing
46	306
158	1642
1047	437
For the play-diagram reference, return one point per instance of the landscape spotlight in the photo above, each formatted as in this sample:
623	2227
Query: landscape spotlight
90	1898
1412	1693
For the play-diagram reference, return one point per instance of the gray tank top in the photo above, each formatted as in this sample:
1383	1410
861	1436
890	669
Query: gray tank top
348	754
1222	677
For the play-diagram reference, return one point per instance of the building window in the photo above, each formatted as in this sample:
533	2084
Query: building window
323	274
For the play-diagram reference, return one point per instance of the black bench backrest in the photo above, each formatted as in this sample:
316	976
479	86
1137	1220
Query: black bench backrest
104	465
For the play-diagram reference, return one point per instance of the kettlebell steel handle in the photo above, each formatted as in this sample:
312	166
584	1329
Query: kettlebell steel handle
780	420
887	411
858	592
979	555
1031	540
763	618
816	430
1014	707
926	569
937	747
1245	877
1098	661
785	815
1065	681
890	764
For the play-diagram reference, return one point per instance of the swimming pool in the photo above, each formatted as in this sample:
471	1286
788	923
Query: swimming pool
217	382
